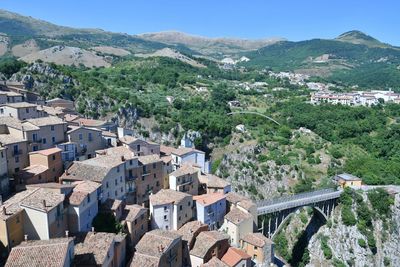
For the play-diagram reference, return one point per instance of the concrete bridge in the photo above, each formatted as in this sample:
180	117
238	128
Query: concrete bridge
273	213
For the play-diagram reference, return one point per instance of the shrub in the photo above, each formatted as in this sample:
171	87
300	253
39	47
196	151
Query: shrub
348	217
325	247
361	243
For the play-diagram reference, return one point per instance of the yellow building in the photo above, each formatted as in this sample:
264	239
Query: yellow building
345	180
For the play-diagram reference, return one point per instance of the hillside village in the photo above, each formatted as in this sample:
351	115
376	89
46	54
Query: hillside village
65	178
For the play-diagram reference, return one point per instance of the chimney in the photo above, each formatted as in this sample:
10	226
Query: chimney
44	203
1	200
66	172
26	237
93	230
66	233
4	210
122	158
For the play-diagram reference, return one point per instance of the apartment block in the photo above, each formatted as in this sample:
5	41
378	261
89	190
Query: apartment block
211	209
185	179
140	147
170	209
87	141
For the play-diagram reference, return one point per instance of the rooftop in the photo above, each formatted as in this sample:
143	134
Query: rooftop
93	248
149	159
46	121
144	260
186	169
348	177
31	171
213	181
190	229
156	242
181	151
234	255
208	199
132	212
127	139
72	128
166	196
6	139
91	122
166	150
112	204
235	198
47	152
38	253
77	197
257	239
214	262
20	105
237	216
42	199
205	241
17	124
118	151
86	186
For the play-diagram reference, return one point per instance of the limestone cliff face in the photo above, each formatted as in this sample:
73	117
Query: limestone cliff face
349	247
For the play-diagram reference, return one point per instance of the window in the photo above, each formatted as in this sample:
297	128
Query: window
157	183
179	218
27	110
180	207
165	217
138	147
52	127
154	165
90	137
116	182
106	184
122	189
16	159
54	157
17	219
35	148
165	208
34	137
118	169
154	176
88	198
1	111
44	141
53	140
116	193
189	203
120	179
2	154
80	136
130	162
40	177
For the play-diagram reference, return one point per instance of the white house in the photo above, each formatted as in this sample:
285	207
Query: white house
185	179
188	155
83	206
211	209
170	209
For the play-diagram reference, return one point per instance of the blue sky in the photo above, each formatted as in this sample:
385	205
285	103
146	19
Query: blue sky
292	19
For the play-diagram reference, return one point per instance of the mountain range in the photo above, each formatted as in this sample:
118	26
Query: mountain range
351	58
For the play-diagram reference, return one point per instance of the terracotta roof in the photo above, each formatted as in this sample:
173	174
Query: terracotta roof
118	151
12	205
235	198
20	105
155	243
43	200
91	122
127	139
31	171
234	255
17	124
237	216
149	159
93	249
246	204
51	111
185	169
73	128
213	181
6	139
86	186
70	117
112	204
166	159
94	169
77	197
166	150
185	150
190	229
166	196
257	239
132	212
47	152
214	262
144	260
38	253
205	241
108	134
208	199
46	121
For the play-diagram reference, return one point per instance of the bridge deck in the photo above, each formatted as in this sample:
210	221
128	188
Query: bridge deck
304	199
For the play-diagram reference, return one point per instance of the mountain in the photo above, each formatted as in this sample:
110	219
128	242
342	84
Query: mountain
358	37
208	46
352	58
170	53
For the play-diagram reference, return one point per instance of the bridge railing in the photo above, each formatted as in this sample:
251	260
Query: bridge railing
303	199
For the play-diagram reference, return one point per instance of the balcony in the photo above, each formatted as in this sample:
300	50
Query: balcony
17	152
36	141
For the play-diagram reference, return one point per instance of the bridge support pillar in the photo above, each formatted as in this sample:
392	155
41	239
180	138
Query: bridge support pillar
269	227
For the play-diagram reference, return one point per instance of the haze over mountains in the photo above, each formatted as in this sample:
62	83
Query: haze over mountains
352	56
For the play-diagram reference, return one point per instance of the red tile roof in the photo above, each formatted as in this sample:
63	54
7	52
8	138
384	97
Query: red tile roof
234	255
